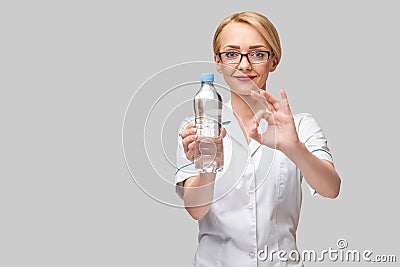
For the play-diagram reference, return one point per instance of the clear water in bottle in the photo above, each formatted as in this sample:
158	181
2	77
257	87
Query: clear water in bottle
208	109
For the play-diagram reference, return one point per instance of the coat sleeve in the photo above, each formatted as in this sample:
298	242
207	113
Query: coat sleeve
311	134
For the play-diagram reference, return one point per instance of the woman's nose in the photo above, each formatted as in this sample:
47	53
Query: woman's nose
244	63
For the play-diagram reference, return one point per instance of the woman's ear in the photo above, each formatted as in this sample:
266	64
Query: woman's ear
274	64
218	64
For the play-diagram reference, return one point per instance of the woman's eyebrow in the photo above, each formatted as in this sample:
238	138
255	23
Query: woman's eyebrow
250	47
232	46
257	46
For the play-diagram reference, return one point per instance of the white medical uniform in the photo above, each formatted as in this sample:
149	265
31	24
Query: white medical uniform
257	198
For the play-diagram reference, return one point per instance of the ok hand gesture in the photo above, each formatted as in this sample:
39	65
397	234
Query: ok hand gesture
281	133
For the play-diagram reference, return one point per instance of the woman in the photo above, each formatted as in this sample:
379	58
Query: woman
252	208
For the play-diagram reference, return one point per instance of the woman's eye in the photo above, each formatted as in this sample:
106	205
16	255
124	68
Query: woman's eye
257	54
231	54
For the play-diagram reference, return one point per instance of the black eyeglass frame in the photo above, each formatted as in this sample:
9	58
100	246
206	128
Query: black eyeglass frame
246	55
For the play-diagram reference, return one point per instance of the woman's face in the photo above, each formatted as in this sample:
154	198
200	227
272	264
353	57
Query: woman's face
244	76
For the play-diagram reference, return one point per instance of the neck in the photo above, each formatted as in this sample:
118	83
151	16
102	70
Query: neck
245	107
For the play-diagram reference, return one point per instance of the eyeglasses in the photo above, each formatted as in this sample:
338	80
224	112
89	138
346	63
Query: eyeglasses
254	57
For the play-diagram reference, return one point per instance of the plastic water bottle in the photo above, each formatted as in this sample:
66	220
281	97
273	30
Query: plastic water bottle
208	109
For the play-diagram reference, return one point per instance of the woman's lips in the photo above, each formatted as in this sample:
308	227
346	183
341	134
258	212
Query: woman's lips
244	78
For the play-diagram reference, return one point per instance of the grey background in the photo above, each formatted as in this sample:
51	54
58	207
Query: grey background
69	69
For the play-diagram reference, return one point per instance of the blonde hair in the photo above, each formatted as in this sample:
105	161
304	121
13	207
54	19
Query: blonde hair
258	21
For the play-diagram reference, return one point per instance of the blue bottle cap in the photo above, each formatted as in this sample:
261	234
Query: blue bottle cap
207	77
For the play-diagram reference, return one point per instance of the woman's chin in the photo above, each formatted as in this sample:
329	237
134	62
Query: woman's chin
245	91
242	88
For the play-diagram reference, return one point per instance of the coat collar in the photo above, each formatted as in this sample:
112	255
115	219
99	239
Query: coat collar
231	123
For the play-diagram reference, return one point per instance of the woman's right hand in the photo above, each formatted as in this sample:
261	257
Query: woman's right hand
189	138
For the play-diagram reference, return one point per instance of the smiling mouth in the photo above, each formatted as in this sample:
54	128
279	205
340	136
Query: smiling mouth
244	78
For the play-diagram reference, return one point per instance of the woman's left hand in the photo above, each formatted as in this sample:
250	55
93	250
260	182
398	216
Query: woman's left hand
281	133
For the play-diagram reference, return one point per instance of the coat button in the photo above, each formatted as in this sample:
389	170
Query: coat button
250	207
252	255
